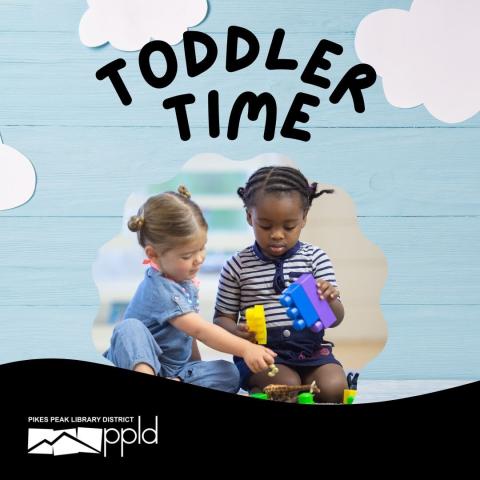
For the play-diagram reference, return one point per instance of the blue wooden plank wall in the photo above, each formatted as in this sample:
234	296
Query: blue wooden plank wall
414	179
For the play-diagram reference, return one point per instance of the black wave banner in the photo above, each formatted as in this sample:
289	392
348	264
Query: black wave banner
59	410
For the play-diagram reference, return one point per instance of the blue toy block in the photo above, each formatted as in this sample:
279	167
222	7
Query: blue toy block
299	307
304	306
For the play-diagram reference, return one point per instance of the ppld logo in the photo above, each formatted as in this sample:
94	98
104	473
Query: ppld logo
65	442
88	440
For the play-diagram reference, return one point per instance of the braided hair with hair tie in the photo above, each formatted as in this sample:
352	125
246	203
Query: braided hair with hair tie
314	194
279	179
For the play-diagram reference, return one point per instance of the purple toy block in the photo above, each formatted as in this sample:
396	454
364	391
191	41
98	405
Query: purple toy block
299	307
325	314
304	306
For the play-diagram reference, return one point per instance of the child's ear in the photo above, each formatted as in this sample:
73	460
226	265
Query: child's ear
249	218
304	220
151	253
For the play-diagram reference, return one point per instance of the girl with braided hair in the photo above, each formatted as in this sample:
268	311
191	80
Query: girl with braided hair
156	335
277	200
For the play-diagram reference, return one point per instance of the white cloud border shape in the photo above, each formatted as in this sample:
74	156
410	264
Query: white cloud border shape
17	178
129	24
428	55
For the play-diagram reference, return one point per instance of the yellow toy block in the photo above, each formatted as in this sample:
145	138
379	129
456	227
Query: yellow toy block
256	323
349	396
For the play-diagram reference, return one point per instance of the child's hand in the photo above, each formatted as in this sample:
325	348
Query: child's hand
258	358
326	291
243	332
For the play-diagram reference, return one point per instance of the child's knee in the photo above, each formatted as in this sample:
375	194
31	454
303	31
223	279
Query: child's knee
285	376
128	327
331	389
133	344
230	377
129	330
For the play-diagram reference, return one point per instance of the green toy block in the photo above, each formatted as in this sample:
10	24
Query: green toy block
260	395
305	398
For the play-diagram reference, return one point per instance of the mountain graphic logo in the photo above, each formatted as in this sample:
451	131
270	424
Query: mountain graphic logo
64	442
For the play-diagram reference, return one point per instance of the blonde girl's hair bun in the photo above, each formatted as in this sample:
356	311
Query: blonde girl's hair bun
183	191
136	223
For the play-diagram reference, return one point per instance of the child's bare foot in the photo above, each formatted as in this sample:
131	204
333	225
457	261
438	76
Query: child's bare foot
144	368
175	379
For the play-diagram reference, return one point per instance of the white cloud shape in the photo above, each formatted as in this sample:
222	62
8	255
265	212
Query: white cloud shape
130	24
428	55
17	178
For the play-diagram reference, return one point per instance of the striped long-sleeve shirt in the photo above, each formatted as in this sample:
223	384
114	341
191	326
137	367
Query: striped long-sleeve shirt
247	280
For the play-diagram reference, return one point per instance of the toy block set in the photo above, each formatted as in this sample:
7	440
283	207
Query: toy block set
304	306
305	394
306	310
256	323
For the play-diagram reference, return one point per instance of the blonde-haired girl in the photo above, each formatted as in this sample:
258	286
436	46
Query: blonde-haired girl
156	335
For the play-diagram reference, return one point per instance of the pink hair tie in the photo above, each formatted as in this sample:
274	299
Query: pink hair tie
147	261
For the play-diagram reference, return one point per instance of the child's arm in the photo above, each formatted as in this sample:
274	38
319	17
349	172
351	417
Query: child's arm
257	357
228	296
326	291
195	351
229	323
322	267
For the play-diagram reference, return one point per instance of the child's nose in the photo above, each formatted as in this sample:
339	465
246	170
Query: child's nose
199	259
277	235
